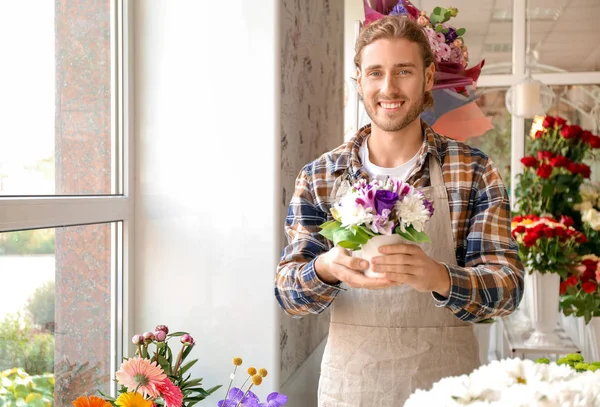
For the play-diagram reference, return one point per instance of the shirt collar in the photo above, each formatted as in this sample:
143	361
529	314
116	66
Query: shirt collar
348	158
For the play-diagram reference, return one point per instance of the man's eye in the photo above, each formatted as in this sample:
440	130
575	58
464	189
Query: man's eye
404	72
375	73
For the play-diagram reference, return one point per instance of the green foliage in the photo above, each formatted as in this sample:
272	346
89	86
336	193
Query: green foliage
17	388
41	306
580	304
575	361
27	242
23	347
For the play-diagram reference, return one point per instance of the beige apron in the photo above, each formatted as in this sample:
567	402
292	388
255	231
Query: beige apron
385	344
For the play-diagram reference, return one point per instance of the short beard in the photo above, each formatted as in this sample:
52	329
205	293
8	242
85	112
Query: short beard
390	126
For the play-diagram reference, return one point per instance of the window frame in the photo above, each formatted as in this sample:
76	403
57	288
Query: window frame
40	212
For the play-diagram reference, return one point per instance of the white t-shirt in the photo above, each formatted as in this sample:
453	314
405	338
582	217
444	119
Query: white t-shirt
375	172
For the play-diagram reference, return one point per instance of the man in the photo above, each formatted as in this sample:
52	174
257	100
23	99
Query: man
392	335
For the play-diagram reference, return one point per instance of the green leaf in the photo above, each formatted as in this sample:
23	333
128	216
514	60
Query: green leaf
461	31
412	235
176	334
187	366
437	10
548	190
439	28
348	238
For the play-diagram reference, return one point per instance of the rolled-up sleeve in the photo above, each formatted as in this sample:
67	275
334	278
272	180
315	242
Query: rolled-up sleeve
491	281
298	289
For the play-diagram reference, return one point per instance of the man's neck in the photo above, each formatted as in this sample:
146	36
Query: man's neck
392	149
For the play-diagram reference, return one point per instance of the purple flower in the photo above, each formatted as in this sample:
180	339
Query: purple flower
274	400
451	35
399	9
429	206
235	396
385	199
382	224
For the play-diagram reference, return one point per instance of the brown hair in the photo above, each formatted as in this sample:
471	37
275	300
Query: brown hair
396	27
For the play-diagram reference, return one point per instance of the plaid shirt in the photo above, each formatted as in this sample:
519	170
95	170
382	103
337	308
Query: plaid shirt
488	280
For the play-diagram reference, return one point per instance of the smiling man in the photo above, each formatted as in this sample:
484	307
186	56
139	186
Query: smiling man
392	335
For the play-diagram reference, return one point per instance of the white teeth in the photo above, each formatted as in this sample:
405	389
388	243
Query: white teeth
390	105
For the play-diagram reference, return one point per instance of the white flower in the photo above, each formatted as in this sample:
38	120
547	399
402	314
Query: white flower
592	218
412	212
514	383
350	213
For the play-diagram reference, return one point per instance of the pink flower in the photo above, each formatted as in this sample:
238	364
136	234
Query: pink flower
171	393
422	21
382	223
141	374
445	51
160	336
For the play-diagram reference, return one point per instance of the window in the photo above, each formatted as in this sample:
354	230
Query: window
66	206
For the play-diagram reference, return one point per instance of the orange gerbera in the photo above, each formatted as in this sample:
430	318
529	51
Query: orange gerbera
132	400
141	374
91	401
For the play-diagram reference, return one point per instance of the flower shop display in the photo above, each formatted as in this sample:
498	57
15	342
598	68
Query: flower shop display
568	382
155	375
589	209
548	249
372	214
238	397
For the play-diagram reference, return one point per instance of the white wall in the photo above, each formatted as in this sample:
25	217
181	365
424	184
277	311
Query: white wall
207	146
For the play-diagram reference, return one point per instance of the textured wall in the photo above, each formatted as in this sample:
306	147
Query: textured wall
312	38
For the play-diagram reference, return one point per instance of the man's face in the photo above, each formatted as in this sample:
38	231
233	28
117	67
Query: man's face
392	82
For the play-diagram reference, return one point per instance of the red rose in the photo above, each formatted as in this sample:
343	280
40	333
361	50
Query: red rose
563	288
584	170
520	229
545	155
586	135
517	219
560	231
571	281
572	168
548	122
567	132
544	171
539	134
594	142
529	161
589	287
590	265
567	220
549	232
581	238
530	239
559	122
559	161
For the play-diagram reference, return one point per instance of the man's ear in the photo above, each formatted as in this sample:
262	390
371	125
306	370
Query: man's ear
429	76
359	82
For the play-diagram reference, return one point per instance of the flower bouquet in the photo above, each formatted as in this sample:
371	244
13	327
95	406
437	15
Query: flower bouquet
155	376
581	291
547	245
369	210
238	397
569	382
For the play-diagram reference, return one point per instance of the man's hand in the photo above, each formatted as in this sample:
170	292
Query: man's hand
337	265
409	264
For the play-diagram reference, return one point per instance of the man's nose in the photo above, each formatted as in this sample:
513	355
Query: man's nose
390	84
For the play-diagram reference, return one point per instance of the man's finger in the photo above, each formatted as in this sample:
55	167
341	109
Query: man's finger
394	268
402	259
353	263
400	278
357	279
400	248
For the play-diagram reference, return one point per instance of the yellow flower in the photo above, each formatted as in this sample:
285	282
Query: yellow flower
251	371
132	400
263	372
257	380
237	361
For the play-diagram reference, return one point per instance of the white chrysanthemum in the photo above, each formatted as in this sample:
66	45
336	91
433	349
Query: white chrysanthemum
411	212
515	383
350	213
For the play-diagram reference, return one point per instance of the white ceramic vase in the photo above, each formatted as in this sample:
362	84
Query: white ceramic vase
593	330
543	309
482	333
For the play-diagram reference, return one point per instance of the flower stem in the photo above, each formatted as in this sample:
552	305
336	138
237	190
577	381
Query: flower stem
178	360
240	402
231	381
245	381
